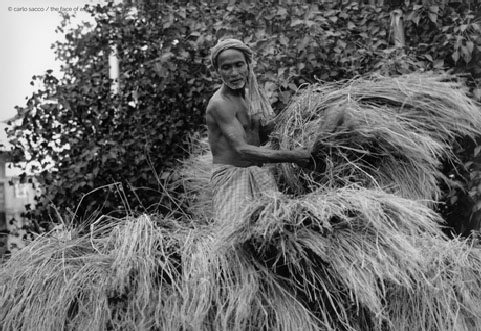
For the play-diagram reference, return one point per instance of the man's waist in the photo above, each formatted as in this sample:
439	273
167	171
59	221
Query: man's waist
237	164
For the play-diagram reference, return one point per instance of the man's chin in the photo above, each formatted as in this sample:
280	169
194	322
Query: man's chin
239	86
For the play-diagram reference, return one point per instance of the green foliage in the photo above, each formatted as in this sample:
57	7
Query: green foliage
451	40
95	138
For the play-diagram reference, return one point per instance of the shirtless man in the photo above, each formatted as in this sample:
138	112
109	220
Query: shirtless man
236	117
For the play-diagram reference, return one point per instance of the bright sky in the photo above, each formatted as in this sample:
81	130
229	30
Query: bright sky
27	30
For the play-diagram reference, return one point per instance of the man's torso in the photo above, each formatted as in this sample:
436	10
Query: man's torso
221	149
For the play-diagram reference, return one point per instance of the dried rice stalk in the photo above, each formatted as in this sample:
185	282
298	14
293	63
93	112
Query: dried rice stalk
121	276
194	179
385	132
342	252
448	298
225	291
337	259
136	274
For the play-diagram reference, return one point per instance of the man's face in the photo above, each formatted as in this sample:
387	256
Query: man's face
233	69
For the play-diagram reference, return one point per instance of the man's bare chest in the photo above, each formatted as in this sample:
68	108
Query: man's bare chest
248	122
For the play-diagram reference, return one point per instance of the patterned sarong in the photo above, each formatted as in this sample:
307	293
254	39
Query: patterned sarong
233	187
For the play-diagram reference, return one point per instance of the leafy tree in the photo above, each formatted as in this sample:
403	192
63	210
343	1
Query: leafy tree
95	138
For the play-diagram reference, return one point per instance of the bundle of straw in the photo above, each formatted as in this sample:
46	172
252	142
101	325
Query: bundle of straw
389	132
228	291
343	252
193	179
121	275
136	274
448	298
341	259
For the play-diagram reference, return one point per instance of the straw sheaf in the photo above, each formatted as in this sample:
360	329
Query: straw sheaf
380	132
193	177
350	259
228	291
339	240
448	298
120	276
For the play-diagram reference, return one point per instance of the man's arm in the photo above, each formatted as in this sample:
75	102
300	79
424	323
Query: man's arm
233	130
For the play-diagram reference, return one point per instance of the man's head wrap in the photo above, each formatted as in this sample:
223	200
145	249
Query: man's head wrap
259	106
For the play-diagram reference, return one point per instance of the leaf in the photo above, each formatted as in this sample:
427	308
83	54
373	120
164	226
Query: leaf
296	22
284	40
182	13
465	54
477	149
329	13
470	46
416	19
434	9
477	206
455	56
433	17
351	25
438	64
281	11
285	97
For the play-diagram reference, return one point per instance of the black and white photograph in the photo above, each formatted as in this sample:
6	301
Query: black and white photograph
235	165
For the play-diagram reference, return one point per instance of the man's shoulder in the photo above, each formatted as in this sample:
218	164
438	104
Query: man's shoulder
217	104
214	101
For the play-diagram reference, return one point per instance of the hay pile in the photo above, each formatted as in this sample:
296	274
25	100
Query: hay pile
117	276
193	178
356	247
381	132
341	259
362	259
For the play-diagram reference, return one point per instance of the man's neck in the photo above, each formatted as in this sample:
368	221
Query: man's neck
227	91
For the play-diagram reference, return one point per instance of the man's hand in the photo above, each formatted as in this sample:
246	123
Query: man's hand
305	159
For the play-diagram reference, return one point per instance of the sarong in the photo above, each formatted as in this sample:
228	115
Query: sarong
234	187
